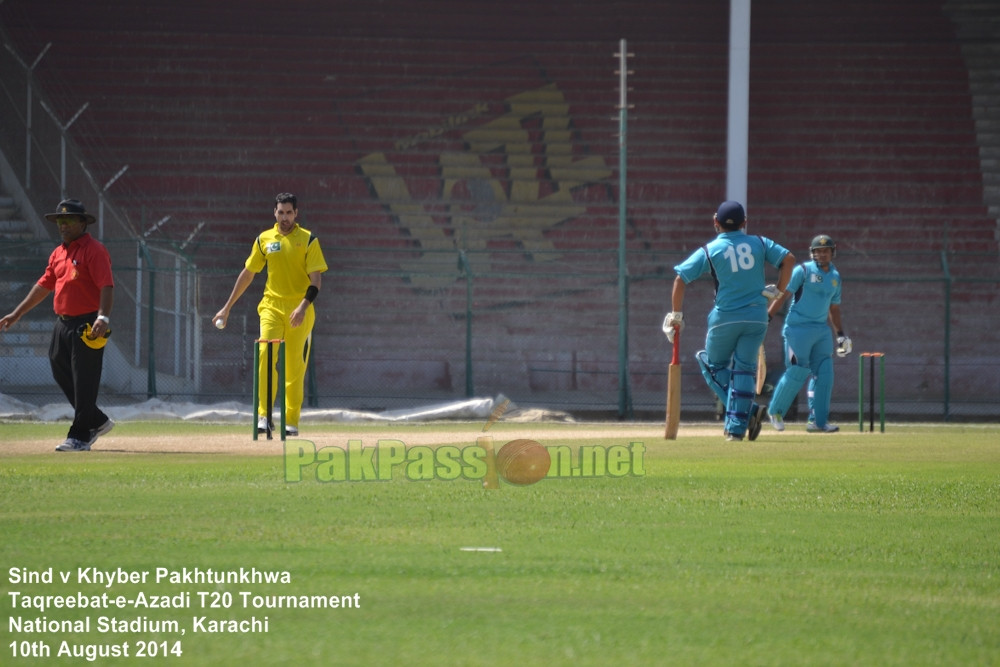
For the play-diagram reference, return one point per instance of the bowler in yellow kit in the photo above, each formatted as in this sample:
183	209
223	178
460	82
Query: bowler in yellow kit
295	265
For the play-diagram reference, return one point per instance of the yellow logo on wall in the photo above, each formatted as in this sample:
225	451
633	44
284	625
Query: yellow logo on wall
514	180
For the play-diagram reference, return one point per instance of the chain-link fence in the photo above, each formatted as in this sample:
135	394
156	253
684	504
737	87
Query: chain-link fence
545	334
155	337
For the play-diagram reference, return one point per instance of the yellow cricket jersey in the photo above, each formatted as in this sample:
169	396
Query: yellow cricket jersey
289	261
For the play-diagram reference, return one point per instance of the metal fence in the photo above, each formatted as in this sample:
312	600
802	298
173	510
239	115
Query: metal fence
41	164
544	338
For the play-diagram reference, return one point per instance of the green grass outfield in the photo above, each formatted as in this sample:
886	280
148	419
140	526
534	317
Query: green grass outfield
845	549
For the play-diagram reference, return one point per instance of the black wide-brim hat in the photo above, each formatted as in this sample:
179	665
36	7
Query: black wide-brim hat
71	207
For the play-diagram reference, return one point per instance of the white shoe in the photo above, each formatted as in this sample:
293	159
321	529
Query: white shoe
103	429
292	431
777	422
262	424
73	445
813	427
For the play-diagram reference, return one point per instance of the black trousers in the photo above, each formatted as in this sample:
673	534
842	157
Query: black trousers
77	368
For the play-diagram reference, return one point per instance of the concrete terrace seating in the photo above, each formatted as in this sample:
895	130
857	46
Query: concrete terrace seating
192	119
185	130
860	127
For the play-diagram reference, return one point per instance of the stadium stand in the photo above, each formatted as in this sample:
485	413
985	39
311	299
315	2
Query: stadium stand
412	131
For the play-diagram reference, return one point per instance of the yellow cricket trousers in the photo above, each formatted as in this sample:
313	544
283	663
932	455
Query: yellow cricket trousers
275	325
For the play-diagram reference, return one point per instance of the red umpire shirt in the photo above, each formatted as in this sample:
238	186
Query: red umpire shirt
76	274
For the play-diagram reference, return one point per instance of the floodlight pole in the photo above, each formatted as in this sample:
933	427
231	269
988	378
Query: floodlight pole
624	397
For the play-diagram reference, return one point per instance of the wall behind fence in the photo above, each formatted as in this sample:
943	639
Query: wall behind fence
543	335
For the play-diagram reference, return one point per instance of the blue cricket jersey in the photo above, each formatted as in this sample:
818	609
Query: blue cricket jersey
736	261
813	292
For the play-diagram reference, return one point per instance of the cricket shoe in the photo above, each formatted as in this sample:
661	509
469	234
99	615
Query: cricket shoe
813	427
733	437
777	422
73	445
756	421
96	433
292	431
262	425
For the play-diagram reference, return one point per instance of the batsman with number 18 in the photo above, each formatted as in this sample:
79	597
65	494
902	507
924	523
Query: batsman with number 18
738	321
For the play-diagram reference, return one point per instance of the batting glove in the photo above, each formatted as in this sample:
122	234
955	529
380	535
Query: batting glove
844	346
672	323
771	292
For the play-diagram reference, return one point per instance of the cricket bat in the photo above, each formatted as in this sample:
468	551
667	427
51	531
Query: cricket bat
761	369
674	389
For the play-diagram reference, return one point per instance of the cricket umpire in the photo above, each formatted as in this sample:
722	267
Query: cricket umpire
79	274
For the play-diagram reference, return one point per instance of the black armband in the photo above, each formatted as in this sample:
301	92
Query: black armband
311	293
840	333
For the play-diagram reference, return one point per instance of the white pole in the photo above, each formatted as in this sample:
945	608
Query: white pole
739	102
